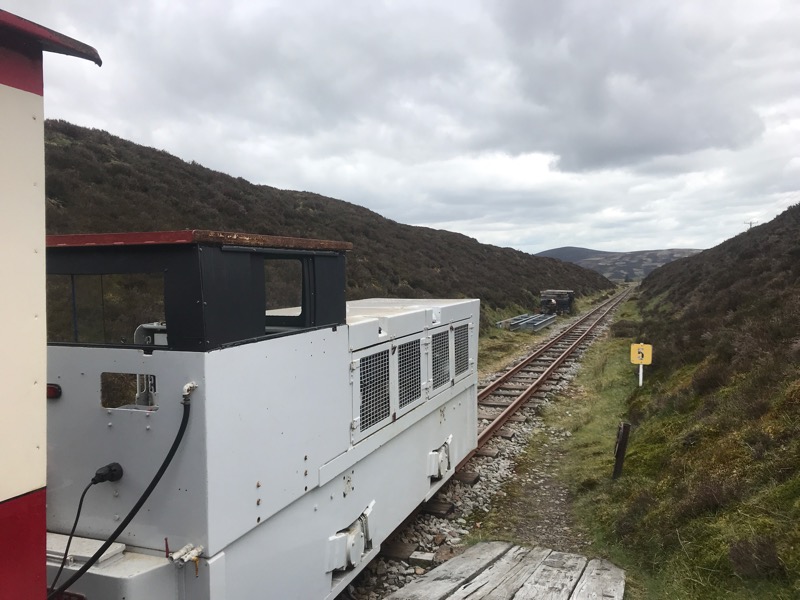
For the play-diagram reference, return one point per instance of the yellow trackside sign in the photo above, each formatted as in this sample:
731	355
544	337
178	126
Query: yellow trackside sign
641	354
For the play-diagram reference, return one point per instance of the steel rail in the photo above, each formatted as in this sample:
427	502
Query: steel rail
599	314
498	383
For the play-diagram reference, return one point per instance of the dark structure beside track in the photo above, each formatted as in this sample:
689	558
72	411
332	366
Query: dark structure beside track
556	302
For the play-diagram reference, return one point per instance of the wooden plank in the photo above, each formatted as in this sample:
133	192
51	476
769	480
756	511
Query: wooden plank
502	579
506	434
442	581
517	577
468	477
495	403
421	559
437	508
601	579
490	452
554	579
485	582
398	550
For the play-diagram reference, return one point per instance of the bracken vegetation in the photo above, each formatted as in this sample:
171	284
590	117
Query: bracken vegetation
97	182
710	501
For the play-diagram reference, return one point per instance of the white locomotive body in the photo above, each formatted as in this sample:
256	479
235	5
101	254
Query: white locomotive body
315	429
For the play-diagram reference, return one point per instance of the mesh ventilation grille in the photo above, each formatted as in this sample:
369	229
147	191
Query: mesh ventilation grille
410	378
461	343
440	361
374	387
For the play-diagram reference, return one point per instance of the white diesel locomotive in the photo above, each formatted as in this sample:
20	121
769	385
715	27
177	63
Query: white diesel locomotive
254	435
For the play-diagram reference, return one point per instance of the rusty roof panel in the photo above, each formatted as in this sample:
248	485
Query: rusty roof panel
189	236
269	241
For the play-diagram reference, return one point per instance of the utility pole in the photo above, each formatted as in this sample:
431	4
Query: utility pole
750	223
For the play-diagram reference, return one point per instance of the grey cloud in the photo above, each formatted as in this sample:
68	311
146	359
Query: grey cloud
678	117
606	89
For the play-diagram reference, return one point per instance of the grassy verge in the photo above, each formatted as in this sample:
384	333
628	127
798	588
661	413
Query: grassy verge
497	347
703	509
593	413
709	500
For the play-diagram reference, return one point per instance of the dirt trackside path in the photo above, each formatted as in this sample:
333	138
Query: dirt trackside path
535	507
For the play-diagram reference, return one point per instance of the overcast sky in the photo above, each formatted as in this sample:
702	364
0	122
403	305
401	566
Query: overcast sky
614	125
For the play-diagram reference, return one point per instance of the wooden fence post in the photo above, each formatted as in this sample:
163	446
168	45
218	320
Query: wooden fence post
623	431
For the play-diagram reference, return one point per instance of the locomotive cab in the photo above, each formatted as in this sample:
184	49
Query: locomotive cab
316	425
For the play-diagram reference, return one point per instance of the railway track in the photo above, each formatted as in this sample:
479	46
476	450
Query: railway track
505	395
497	402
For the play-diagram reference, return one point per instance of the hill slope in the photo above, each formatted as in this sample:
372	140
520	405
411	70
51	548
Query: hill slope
713	471
572	254
98	182
619	266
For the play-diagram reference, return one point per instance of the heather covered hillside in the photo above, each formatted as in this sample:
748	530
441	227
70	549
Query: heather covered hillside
711	495
734	307
98	182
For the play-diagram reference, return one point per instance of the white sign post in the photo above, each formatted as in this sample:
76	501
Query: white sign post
641	354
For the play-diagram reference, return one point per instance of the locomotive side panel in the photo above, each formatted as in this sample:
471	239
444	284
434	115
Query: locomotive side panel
83	436
293	550
276	411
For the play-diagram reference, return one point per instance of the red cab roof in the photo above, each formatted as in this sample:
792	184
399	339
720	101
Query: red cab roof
193	236
16	31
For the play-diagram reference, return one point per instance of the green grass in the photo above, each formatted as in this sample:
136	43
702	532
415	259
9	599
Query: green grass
709	500
496	347
694	515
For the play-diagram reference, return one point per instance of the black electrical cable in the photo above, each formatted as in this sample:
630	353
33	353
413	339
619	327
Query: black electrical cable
110	472
145	495
69	539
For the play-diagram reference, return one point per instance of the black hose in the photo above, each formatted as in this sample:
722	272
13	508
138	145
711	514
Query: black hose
145	495
71	535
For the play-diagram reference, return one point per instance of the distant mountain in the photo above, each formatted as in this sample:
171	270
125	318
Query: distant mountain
97	182
619	266
573	254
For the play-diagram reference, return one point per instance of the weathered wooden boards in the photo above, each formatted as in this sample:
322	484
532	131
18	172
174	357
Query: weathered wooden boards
600	580
500	571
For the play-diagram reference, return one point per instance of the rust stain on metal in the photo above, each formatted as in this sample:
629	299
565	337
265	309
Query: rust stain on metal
268	241
250	240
